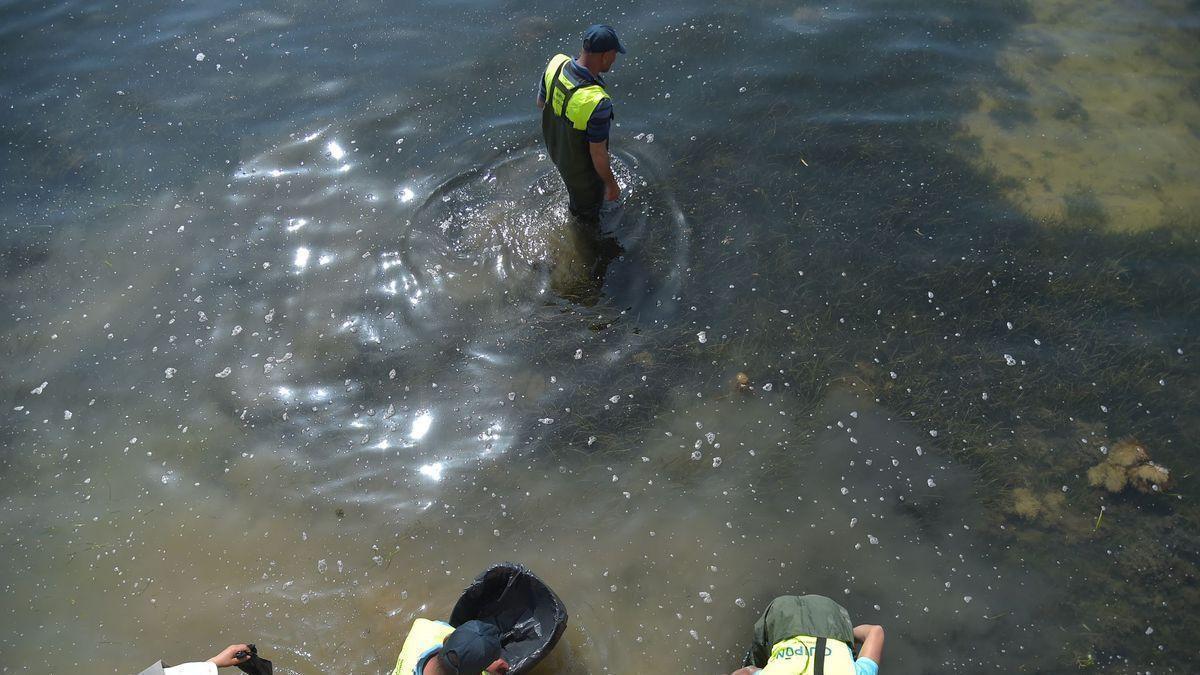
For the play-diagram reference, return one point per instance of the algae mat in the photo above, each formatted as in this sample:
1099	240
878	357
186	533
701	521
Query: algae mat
1100	121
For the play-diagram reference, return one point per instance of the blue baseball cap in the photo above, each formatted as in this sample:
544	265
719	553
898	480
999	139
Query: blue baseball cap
601	38
473	646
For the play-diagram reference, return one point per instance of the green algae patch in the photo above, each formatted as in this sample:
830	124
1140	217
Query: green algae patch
1099	123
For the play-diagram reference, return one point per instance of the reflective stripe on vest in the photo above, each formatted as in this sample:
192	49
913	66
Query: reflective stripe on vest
804	655
567	99
425	635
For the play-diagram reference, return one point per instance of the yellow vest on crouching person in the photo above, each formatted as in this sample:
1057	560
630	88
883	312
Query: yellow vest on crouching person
804	655
424	636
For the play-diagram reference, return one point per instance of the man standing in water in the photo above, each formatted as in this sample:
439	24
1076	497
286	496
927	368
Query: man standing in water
576	116
811	635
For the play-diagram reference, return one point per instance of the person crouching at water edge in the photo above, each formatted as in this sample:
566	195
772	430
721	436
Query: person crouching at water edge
576	116
437	648
811	635
244	656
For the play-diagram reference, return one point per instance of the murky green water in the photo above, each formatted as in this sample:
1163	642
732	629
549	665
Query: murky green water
298	338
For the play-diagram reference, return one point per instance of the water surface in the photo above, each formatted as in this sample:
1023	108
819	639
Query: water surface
299	337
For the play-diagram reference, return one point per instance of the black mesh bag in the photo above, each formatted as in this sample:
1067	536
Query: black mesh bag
528	614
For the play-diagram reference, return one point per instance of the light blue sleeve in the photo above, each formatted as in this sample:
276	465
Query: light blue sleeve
865	666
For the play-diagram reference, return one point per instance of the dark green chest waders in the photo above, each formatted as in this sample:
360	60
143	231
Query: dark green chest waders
564	128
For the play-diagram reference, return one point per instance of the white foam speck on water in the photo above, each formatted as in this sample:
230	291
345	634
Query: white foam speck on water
578	354
768	387
547	420
702	337
169	373
236	331
614	399
1009	360
706	597
853	522
200	56
930	482
322	566
224	373
739	602
67	414
270	316
39	389
716	462
873	539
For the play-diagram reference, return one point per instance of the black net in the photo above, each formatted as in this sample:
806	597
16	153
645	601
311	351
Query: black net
529	615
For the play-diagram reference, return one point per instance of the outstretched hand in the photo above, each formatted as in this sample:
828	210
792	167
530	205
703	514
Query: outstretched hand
228	656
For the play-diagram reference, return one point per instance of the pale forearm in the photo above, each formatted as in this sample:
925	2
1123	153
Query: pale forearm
872	641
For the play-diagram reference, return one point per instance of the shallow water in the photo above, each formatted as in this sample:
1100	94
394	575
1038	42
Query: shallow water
299	337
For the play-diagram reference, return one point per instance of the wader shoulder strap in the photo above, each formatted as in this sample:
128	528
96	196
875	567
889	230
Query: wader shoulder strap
819	665
556	82
567	93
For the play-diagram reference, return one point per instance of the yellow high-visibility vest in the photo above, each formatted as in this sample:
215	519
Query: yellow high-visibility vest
580	100
425	635
804	655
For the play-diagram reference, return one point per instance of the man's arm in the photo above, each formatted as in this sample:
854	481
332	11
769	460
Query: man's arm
541	102
599	152
748	670
872	641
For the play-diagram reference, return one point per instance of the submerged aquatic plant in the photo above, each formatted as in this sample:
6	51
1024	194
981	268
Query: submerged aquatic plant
1129	465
